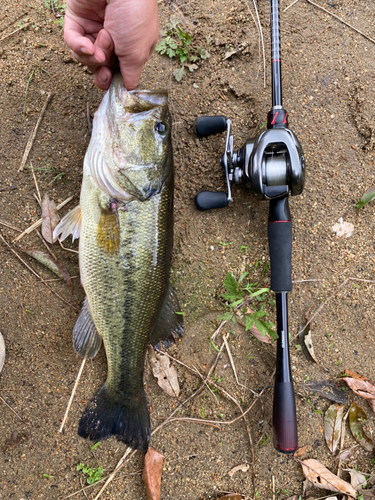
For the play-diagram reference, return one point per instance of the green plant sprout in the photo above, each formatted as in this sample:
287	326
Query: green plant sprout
93	475
177	45
58	9
238	296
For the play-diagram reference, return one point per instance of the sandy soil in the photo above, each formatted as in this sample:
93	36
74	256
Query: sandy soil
329	91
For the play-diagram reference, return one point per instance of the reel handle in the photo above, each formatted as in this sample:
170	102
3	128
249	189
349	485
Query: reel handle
206	200
209	125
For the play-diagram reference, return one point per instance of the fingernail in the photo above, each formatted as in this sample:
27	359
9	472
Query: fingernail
86	51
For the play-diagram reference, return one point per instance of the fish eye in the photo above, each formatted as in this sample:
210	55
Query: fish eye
160	127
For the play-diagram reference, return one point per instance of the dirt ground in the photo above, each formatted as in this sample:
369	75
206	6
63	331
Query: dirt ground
329	93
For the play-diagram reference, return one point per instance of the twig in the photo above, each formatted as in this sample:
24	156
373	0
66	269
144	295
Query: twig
342	440
15	31
118	466
273	488
39	198
331	297
30	142
39	222
231	360
260	37
6	404
217	331
6	224
65	248
341	20
289	6
45	244
36	274
73	392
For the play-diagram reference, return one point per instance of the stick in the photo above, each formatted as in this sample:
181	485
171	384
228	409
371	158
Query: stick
15	31
39	222
286	8
73	393
10	408
6	224
231	361
331	297
39	198
118	466
260	37
30	142
341	20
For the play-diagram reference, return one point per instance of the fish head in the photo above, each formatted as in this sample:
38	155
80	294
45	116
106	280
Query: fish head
131	156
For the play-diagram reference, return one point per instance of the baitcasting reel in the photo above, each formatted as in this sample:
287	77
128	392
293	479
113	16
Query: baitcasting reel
273	167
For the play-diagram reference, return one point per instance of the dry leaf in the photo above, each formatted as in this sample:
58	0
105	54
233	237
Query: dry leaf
152	471
332	426
2	352
301	451
51	263
326	389
305	340
231	496
242	467
346	455
50	219
342	228
357	479
361	386
254	330
322	478
356	417
165	373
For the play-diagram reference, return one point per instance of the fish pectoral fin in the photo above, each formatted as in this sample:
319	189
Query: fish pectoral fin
170	324
108	232
69	224
86	339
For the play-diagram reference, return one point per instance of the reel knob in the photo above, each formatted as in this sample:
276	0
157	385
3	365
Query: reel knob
206	200
209	125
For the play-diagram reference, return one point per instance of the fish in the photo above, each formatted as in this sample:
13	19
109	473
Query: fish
124	223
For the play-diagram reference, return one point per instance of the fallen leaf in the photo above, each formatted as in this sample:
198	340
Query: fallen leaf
342	228
152	471
2	352
305	341
357	415
301	451
368	196
51	263
362	386
327	389
165	372
242	468
357	479
294	497
263	337
332	426
50	219
322	478
368	494
346	455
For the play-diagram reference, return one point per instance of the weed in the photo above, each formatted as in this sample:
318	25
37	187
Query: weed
177	45
93	475
58	9
95	445
48	476
238	296
367	196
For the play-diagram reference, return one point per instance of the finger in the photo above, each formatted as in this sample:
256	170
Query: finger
75	39
131	73
103	77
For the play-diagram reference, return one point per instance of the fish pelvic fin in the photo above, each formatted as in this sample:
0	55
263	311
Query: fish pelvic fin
107	415
108	232
170	324
69	224
86	339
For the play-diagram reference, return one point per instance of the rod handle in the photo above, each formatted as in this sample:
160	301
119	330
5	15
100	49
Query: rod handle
280	245
206	200
208	125
284	418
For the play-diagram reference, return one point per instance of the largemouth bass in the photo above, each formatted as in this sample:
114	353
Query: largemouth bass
125	225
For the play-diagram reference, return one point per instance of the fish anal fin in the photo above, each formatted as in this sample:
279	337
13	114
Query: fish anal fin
86	339
108	232
169	325
69	224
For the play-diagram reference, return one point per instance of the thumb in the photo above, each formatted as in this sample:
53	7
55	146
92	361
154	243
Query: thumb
130	72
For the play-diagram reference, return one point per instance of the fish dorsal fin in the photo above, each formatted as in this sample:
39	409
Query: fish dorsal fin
169	325
86	339
69	224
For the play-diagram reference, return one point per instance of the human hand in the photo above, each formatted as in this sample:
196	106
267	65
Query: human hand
99	32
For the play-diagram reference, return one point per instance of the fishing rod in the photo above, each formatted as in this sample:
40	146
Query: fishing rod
272	166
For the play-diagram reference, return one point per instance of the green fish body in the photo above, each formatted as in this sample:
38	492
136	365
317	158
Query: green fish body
125	225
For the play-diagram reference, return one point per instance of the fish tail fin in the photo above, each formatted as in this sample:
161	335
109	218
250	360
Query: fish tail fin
107	415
